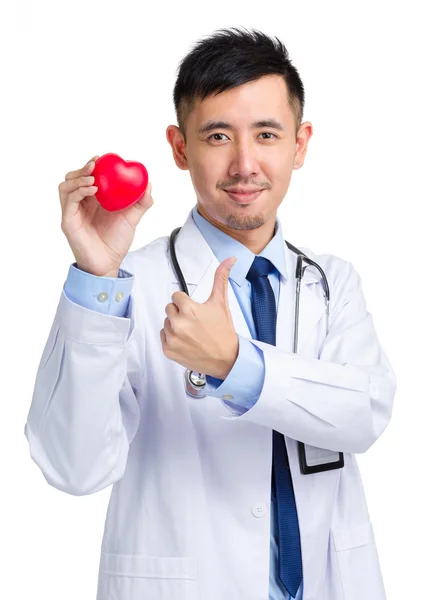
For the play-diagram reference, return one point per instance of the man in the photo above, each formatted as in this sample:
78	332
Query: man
208	498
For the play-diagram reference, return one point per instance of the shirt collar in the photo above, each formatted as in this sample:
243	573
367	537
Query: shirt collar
223	246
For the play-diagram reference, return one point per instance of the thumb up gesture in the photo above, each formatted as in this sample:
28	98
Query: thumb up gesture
201	337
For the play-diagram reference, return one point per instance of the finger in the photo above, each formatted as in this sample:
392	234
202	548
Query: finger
85	170
171	310
162	338
90	206
137	210
181	300
67	187
169	334
172	320
169	330
73	184
219	293
71	205
165	344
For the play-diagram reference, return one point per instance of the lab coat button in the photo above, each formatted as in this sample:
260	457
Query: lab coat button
259	510
102	297
119	296
227	397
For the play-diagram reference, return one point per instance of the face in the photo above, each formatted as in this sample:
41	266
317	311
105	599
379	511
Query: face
242	155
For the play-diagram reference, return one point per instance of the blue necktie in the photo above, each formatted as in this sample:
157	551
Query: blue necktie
289	548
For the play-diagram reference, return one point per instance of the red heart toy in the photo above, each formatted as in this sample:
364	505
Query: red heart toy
121	183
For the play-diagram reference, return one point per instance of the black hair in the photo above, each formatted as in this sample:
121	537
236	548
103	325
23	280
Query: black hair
227	59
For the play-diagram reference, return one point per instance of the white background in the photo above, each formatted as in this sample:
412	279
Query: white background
85	78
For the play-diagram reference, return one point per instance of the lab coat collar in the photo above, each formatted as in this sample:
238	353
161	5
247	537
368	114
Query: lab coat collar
223	246
198	264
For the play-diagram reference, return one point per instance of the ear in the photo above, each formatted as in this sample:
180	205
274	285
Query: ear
178	145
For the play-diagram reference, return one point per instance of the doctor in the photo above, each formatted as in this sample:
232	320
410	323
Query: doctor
194	512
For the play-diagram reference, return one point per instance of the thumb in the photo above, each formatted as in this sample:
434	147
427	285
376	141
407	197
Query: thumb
219	293
137	210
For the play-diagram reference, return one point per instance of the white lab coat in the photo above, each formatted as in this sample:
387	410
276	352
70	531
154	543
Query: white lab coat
189	512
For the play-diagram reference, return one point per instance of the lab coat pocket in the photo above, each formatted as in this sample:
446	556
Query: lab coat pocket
140	577
358	562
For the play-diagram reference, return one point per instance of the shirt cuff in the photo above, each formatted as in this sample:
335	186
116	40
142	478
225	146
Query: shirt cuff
107	295
243	385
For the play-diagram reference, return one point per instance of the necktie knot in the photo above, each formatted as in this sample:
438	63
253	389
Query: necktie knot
260	267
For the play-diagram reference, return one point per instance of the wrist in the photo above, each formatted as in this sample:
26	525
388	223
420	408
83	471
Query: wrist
225	369
111	273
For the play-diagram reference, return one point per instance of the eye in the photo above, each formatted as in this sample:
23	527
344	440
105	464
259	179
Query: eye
263	133
213	134
268	133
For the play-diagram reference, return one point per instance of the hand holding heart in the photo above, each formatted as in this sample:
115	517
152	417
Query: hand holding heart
201	337
100	236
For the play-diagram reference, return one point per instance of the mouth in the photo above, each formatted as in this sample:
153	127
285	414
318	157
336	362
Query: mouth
244	198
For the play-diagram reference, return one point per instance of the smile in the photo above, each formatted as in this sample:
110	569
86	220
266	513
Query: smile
244	198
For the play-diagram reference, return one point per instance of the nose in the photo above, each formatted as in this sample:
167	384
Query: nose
244	162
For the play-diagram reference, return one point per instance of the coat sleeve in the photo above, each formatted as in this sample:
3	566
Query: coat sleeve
341	401
84	411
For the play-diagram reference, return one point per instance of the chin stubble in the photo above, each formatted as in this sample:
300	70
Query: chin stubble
244	222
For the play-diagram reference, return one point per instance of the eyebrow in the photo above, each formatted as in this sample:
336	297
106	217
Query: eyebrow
210	125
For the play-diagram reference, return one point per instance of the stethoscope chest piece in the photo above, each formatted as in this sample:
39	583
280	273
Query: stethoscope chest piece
195	383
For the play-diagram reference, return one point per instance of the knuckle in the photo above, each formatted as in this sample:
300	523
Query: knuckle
187	308
172	327
178	327
71	197
66	186
63	189
80	193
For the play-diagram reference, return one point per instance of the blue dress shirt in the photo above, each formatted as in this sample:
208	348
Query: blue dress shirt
244	382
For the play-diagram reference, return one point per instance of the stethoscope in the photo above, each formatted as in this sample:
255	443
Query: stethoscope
195	383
